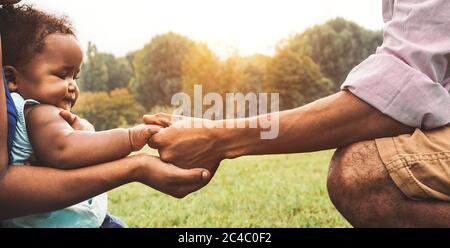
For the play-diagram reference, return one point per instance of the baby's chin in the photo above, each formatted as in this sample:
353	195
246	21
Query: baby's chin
65	108
66	105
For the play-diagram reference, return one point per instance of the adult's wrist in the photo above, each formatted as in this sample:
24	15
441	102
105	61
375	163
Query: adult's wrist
218	136
137	168
230	140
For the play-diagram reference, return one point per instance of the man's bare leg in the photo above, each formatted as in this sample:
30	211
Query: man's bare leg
360	188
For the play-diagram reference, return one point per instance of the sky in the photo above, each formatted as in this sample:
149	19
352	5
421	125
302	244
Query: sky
228	26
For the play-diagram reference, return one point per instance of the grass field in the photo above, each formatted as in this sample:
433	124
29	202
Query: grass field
258	191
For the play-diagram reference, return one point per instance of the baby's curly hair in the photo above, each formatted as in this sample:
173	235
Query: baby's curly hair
23	31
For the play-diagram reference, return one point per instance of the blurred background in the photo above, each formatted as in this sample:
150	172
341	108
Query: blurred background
139	53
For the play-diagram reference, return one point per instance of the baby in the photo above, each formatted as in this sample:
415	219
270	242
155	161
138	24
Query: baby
41	68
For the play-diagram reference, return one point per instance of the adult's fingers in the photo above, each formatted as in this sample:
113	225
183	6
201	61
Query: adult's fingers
185	181
185	189
189	176
161	119
68	116
152	141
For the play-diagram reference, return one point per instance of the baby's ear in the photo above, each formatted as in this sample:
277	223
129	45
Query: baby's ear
11	75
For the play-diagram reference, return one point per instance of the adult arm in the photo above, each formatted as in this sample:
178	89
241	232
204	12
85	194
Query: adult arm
26	190
331	122
3	122
405	84
71	148
29	190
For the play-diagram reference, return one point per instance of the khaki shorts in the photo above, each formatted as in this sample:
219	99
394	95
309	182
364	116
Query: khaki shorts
419	163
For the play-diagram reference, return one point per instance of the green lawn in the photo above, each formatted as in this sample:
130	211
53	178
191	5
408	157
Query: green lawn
258	191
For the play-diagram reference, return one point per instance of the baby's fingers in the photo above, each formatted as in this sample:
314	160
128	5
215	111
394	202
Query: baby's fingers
152	130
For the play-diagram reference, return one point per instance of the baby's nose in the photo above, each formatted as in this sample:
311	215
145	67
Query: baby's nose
72	86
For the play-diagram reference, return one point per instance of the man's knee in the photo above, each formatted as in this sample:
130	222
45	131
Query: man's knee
359	186
354	169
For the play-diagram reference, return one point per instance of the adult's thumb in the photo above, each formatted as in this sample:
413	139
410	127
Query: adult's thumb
192	176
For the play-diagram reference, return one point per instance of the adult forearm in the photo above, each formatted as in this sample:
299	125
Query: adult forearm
331	122
3	120
28	189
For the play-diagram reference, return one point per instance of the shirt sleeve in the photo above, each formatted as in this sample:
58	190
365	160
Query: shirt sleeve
408	78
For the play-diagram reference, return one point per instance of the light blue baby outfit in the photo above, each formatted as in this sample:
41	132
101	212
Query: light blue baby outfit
90	213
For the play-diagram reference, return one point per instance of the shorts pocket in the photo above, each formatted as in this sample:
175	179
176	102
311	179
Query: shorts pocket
422	176
432	173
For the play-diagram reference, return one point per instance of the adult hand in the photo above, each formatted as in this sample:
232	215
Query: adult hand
168	178
76	122
185	145
2	2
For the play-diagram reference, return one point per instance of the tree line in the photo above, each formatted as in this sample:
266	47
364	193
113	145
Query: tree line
305	67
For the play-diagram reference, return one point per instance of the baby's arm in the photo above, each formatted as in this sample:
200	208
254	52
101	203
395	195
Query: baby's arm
55	142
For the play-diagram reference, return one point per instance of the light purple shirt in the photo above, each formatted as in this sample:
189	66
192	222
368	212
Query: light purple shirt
408	78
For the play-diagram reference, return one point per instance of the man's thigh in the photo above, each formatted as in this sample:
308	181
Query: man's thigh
362	189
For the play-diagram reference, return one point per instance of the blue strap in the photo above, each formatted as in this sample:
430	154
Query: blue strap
12	116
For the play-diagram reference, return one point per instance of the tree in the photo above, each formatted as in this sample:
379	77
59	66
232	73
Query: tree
254	68
203	68
103	71
94	73
235	74
297	78
158	69
109	110
336	46
119	72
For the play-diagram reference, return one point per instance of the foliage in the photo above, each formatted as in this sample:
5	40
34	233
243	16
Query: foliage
103	72
162	109
297	78
235	74
336	46
109	110
254	68
306	67
203	68
158	69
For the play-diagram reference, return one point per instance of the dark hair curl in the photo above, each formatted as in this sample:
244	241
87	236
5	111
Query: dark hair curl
23	31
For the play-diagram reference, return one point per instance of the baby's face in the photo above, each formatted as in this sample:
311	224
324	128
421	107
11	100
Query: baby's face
50	76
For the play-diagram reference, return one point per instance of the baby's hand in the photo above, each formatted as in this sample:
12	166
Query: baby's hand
140	134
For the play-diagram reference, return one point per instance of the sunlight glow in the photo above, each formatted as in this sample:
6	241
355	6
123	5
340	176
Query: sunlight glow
227	26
